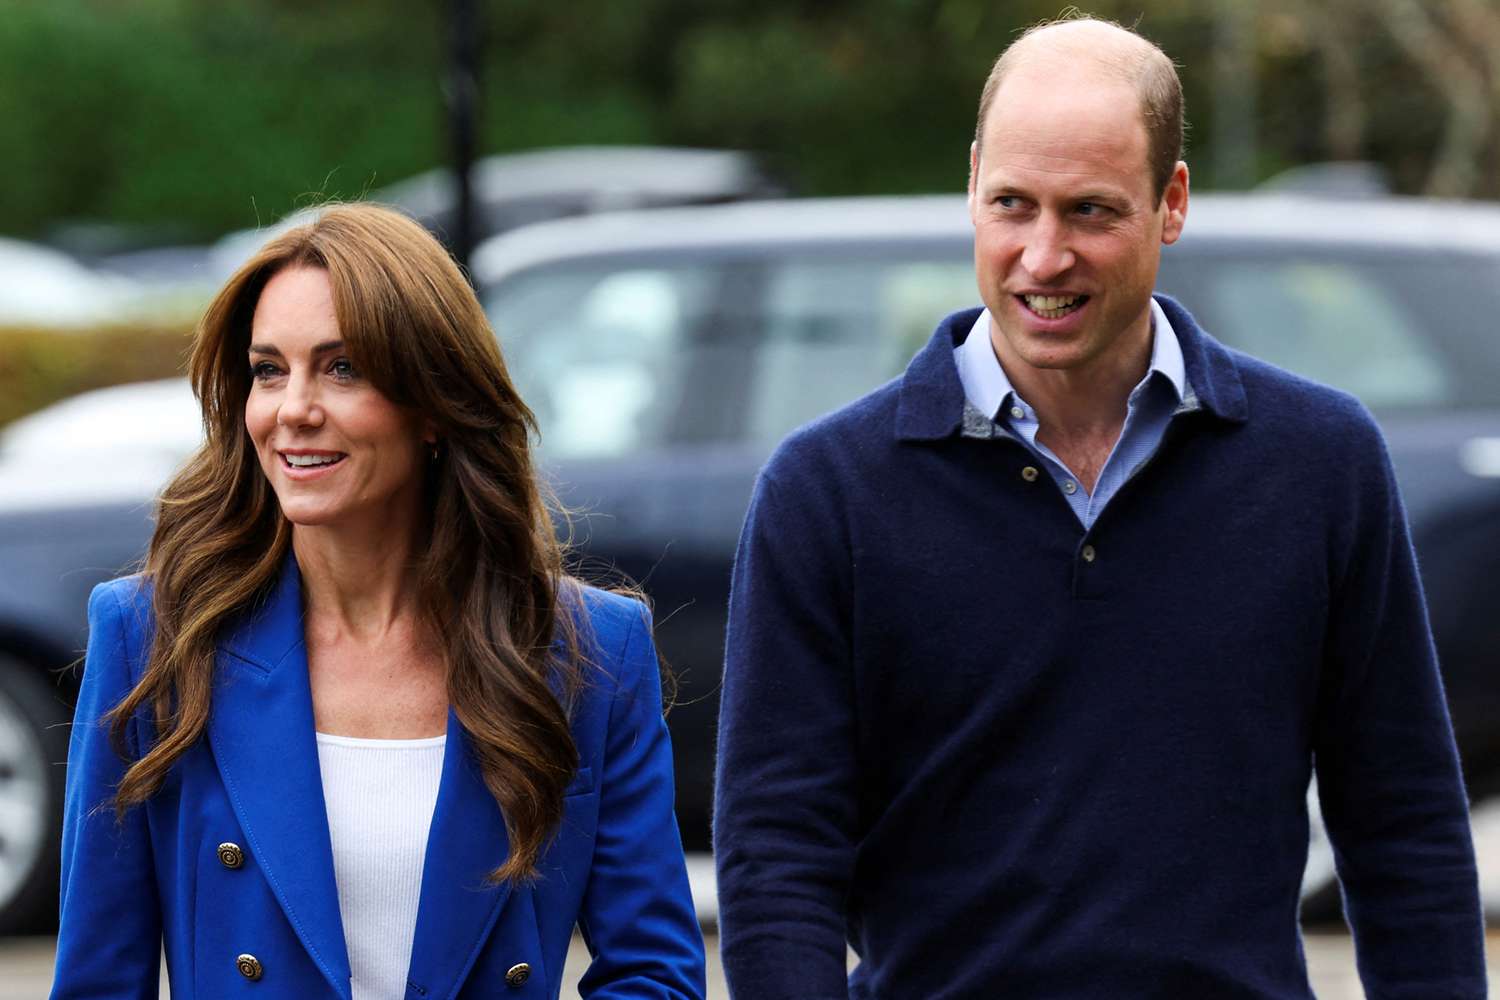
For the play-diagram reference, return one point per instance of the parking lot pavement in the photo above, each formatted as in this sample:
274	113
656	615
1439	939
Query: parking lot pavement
26	967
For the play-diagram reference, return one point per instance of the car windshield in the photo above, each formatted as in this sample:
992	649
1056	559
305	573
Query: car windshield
624	354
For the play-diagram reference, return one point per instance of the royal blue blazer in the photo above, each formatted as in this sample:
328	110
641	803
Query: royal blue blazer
615	868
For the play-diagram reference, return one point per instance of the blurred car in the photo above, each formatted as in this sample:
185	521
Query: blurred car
119	443
666	352
46	287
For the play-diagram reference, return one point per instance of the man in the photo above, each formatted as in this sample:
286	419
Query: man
1031	651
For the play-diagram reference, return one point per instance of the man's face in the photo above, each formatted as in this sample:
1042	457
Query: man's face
1067	227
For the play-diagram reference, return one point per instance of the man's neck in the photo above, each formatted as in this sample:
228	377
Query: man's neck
1081	411
1086	398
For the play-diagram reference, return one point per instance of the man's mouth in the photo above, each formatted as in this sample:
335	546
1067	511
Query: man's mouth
1053	306
312	460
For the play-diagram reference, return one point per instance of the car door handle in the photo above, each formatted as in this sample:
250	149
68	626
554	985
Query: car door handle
1481	457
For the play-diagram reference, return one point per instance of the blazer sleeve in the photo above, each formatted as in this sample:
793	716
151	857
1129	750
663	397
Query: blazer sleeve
785	806
637	916
1389	782
109	937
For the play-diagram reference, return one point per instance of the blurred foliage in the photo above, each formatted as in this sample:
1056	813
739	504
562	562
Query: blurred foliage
201	116
42	366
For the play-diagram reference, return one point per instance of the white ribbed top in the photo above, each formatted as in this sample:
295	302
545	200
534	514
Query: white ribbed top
380	795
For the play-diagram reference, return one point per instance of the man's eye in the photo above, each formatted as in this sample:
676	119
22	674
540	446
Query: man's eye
1090	208
1007	201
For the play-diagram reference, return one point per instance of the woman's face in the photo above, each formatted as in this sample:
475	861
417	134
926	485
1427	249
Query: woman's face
335	450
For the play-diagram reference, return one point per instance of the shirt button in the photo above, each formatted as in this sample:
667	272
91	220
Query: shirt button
1029	473
249	967
1088	553
1017	412
1070	487
231	855
516	975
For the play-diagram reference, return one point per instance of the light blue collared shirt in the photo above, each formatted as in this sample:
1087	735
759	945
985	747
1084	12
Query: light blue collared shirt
1163	392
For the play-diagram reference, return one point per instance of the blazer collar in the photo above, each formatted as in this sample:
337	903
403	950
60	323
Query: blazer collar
457	909
261	731
931	401
262	734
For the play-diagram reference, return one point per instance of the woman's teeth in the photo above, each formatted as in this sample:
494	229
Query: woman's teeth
1053	306
303	461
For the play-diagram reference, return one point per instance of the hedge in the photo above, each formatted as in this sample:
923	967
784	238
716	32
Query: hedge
40	366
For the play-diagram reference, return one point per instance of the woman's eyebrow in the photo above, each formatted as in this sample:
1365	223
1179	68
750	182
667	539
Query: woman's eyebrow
271	350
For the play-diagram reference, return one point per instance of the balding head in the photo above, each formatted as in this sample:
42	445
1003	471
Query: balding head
1088	45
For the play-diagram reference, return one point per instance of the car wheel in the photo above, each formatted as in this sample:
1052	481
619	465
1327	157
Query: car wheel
33	745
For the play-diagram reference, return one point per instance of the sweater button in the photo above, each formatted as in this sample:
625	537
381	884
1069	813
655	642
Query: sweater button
1088	553
516	975
1029	473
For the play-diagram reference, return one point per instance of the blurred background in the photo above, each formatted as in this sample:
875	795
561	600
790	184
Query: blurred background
707	218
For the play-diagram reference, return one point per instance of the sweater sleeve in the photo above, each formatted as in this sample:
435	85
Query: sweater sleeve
785	805
1389	782
109	936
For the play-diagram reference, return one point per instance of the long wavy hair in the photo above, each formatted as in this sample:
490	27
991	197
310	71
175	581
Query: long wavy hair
492	581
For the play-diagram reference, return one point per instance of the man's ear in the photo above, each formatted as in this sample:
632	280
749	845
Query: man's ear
1175	200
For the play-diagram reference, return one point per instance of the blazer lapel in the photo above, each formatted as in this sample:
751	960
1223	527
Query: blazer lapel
261	732
467	840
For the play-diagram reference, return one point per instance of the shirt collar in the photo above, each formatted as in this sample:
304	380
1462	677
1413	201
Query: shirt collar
986	386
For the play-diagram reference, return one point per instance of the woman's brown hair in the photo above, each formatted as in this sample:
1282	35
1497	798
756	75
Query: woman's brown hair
491	579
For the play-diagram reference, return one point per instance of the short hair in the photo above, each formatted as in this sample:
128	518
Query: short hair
1144	66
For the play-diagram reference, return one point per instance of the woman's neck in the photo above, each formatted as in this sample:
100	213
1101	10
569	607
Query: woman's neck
363	591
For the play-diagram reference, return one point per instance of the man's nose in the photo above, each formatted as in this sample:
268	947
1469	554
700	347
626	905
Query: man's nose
299	406
1048	254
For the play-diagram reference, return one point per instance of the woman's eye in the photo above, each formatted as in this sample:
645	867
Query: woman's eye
343	368
263	370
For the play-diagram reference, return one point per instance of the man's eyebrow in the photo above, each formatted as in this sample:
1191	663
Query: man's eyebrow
271	350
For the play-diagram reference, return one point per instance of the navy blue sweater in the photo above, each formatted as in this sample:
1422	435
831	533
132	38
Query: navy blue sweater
1008	757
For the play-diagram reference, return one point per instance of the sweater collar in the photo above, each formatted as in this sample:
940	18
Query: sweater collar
931	402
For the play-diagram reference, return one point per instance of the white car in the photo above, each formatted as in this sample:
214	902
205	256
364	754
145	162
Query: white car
40	286
119	443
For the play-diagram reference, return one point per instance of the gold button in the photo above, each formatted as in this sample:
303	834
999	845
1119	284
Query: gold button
516	975
249	967
1088	553
1029	473
231	856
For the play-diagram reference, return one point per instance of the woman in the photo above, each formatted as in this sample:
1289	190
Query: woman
354	732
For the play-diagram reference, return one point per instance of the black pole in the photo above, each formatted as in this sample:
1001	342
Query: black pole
462	93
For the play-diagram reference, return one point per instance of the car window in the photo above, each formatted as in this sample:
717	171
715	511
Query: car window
602	355
616	358
834	329
1407	331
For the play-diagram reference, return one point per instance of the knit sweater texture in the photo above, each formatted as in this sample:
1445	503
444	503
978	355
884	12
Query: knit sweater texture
1005	756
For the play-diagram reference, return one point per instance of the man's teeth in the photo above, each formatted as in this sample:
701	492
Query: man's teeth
302	461
1053	306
